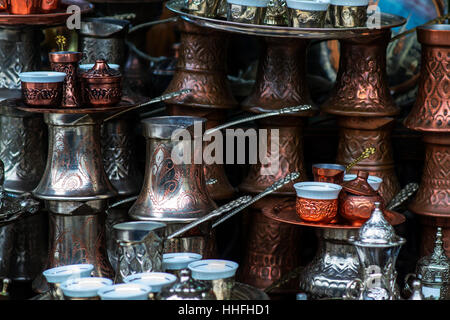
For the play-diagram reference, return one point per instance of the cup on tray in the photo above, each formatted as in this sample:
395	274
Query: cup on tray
306	14
247	11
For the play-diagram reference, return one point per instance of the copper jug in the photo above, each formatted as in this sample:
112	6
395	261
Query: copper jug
357	199
172	192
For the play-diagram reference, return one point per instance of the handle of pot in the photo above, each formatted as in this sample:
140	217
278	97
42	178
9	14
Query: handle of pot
140	53
403	195
407	290
118	203
353	290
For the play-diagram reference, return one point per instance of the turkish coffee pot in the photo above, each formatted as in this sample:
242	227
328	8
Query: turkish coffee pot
357	199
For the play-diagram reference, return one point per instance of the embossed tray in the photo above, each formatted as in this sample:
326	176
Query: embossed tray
47	19
387	21
241	291
285	212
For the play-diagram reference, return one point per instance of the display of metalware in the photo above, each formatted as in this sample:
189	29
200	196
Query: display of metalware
378	247
336	262
186	288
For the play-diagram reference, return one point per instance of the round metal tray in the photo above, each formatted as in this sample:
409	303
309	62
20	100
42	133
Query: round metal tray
387	21
47	19
286	213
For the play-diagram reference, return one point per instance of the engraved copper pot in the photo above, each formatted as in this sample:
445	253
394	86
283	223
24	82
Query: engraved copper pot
430	115
103	38
357	200
24	6
74	169
365	108
22	150
201	64
101	86
67	61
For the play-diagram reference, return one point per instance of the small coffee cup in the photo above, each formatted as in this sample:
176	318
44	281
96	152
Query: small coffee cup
247	11
306	14
125	291
317	202
155	280
203	8
84	288
348	13
175	262
328	172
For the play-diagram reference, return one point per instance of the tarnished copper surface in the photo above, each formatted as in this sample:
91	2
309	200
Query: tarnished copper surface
281	77
48	19
101	85
291	157
360	133
431	114
314	210
222	189
68	62
49	5
24	6
201	67
286	213
42	94
361	87
273	249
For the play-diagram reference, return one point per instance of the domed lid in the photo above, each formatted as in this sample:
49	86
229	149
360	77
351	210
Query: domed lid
187	288
101	70
359	186
377	232
435	268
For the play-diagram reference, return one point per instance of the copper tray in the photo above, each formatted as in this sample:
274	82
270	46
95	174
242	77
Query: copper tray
387	21
124	104
241	291
48	19
286	213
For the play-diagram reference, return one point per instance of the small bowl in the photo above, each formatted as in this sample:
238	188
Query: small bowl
348	13
247	11
219	274
306	14
317	201
374	181
179	260
84	288
61	274
155	280
42	88
125	291
328	172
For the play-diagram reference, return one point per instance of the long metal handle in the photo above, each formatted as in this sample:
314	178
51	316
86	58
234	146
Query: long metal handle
152	23
152	101
225	208
118	203
403	195
274	187
259	116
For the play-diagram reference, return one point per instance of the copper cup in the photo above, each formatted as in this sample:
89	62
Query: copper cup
3	5
317	201
23	6
49	5
42	88
328	172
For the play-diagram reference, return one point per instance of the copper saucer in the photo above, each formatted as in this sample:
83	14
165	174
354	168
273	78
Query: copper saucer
285	212
54	18
124	104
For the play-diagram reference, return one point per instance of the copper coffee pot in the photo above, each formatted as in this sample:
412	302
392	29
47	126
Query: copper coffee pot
357	199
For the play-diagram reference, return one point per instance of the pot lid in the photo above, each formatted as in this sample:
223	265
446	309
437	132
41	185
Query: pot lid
186	288
435	268
360	186
377	232
101	70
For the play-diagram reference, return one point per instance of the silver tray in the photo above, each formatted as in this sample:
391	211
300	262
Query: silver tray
387	21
